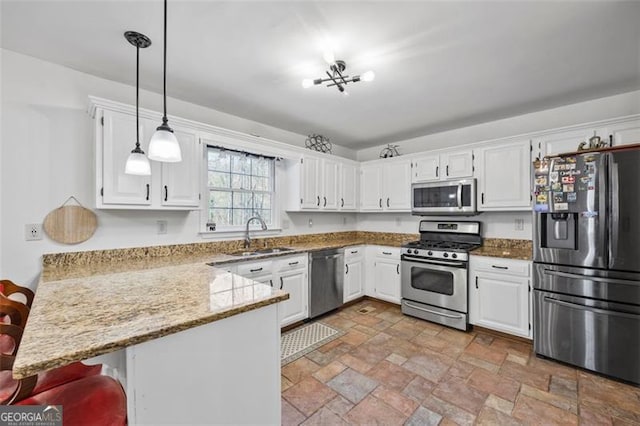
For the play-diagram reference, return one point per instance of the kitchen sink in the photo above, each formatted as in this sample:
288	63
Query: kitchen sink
271	250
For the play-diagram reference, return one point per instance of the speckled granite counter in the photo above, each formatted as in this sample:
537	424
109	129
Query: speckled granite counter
78	318
505	248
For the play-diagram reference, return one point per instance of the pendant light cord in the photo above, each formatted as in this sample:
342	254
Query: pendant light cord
137	90
164	83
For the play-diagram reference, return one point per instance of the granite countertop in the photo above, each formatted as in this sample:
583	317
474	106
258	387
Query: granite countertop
79	318
506	249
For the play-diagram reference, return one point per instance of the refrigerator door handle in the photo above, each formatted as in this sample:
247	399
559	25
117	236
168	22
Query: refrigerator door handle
589	308
590	278
614	215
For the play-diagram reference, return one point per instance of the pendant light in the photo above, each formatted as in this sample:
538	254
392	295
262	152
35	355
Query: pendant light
164	146
137	163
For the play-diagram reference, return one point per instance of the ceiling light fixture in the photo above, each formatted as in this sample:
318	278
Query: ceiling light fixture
336	76
164	145
137	162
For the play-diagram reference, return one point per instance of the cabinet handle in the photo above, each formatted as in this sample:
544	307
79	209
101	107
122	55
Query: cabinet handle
398	269
166	193
380	203
499	267
347	269
325	202
388	253
147	192
387	201
476	281
271	283
341	202
281	283
437	168
255	270
318	201
483	198
447	170
293	263
354	251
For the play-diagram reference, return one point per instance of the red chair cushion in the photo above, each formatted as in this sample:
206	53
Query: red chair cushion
95	401
49	379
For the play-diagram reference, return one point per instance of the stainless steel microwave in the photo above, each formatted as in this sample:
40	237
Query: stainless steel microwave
455	197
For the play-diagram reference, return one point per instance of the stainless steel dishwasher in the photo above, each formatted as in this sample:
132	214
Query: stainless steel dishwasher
327	280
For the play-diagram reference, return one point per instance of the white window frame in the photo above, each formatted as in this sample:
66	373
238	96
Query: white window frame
238	230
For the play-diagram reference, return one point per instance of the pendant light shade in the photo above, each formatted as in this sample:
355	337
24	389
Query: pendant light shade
164	145
137	163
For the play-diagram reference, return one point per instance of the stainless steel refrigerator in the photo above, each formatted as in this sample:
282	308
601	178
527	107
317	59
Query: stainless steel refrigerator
586	297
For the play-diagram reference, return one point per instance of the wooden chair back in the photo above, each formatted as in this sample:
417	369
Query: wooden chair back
8	288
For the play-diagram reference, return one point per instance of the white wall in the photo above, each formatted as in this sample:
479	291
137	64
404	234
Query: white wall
568	115
494	224
47	155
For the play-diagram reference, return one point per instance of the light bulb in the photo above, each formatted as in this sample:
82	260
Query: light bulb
137	164
329	57
164	147
307	82
368	76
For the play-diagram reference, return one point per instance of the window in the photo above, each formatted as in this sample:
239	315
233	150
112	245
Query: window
241	185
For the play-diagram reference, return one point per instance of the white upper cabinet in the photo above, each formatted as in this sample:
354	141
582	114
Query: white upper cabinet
397	186
426	168
116	133
322	184
443	166
385	186
457	164
181	181
625	132
329	182
371	187
310	182
174	186
565	141
504	174
348	186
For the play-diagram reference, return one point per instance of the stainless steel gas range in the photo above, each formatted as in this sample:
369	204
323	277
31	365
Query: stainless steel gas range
435	272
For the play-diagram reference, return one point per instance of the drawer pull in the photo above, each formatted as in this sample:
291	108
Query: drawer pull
499	267
388	253
294	263
255	270
354	251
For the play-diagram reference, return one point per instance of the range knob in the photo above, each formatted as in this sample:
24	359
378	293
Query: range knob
454	255
430	253
408	251
415	251
445	255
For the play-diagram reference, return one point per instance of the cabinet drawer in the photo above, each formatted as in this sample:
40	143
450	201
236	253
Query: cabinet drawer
388	252
292	263
353	252
497	265
254	269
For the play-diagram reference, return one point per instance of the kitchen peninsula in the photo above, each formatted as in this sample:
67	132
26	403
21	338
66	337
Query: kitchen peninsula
190	343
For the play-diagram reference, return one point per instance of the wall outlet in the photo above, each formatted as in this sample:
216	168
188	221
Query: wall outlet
398	221
519	225
310	222
344	220
285	224
162	227
33	232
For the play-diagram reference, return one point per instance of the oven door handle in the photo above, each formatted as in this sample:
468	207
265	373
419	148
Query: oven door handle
589	278
590	308
420	308
459	196
437	262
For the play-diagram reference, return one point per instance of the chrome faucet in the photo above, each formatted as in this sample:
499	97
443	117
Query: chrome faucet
247	239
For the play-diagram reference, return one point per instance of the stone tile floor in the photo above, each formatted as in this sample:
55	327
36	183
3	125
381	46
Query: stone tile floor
391	369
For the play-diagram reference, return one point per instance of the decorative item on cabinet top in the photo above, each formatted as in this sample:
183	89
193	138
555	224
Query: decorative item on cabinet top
70	224
318	143
390	151
595	142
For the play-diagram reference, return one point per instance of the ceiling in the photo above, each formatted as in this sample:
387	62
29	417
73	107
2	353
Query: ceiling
438	65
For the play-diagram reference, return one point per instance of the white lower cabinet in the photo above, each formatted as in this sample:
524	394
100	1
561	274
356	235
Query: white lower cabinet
353	273
386	274
500	294
289	273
